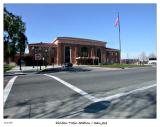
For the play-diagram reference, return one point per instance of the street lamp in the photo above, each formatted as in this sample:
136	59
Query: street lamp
33	51
46	56
43	61
41	56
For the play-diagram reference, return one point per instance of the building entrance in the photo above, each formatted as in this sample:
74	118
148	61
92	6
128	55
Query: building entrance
67	55
99	55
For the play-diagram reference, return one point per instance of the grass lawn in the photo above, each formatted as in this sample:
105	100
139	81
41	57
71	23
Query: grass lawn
7	67
120	65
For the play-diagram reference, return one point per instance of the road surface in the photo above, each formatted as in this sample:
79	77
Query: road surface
125	93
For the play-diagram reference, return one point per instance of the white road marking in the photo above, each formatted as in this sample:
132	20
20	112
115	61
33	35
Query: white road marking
8	89
83	93
94	99
126	93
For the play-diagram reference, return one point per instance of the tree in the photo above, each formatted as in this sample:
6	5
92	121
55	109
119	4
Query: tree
14	27
21	45
152	55
143	57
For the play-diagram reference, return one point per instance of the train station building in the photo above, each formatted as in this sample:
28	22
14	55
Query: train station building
74	50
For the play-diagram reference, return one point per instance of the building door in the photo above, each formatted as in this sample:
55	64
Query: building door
67	54
99	55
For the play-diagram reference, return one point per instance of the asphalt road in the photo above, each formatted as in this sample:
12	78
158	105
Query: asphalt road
40	96
93	82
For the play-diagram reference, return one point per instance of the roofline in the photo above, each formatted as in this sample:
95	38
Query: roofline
39	43
112	49
82	39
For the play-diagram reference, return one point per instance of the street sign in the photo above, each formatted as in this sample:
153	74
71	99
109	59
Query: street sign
38	56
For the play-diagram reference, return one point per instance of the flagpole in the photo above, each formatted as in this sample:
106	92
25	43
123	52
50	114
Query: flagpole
119	38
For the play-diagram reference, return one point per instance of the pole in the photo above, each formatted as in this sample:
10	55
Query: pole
40	64
33	62
41	58
37	64
20	59
119	38
33	50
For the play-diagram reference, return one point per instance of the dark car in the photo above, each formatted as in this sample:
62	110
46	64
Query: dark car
22	62
68	65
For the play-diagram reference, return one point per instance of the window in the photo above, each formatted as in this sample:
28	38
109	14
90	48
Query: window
108	53
112	54
84	52
99	54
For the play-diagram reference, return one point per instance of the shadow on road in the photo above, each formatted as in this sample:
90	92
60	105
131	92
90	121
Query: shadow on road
61	69
91	108
48	70
141	105
97	106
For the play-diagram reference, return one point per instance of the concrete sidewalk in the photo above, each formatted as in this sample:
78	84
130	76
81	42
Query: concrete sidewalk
28	69
56	68
36	69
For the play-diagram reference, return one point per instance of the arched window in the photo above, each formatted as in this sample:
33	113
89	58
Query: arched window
84	52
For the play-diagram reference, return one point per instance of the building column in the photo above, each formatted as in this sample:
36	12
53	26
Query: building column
89	52
73	54
59	54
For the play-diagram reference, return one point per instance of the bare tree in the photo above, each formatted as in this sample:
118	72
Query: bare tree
143	57
152	55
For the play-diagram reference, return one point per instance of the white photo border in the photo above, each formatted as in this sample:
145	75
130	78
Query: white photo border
52	122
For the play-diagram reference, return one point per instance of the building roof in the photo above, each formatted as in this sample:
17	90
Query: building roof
41	43
111	49
81	39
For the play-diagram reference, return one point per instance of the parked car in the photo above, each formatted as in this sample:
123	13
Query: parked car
22	62
68	65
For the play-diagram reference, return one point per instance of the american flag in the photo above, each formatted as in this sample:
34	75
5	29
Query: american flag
116	24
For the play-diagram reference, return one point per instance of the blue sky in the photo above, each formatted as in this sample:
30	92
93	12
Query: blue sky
45	22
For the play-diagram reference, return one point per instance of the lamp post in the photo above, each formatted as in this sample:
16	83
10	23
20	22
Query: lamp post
40	64
46	56
33	56
43	61
41	55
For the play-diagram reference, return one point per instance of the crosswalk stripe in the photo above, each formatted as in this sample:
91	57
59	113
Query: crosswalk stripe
8	89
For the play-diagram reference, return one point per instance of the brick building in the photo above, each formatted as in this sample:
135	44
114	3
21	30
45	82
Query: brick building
74	50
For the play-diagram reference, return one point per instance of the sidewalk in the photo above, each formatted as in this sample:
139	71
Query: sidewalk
50	68
28	69
56	68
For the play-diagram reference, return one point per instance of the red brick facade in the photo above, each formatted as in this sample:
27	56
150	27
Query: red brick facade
74	50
